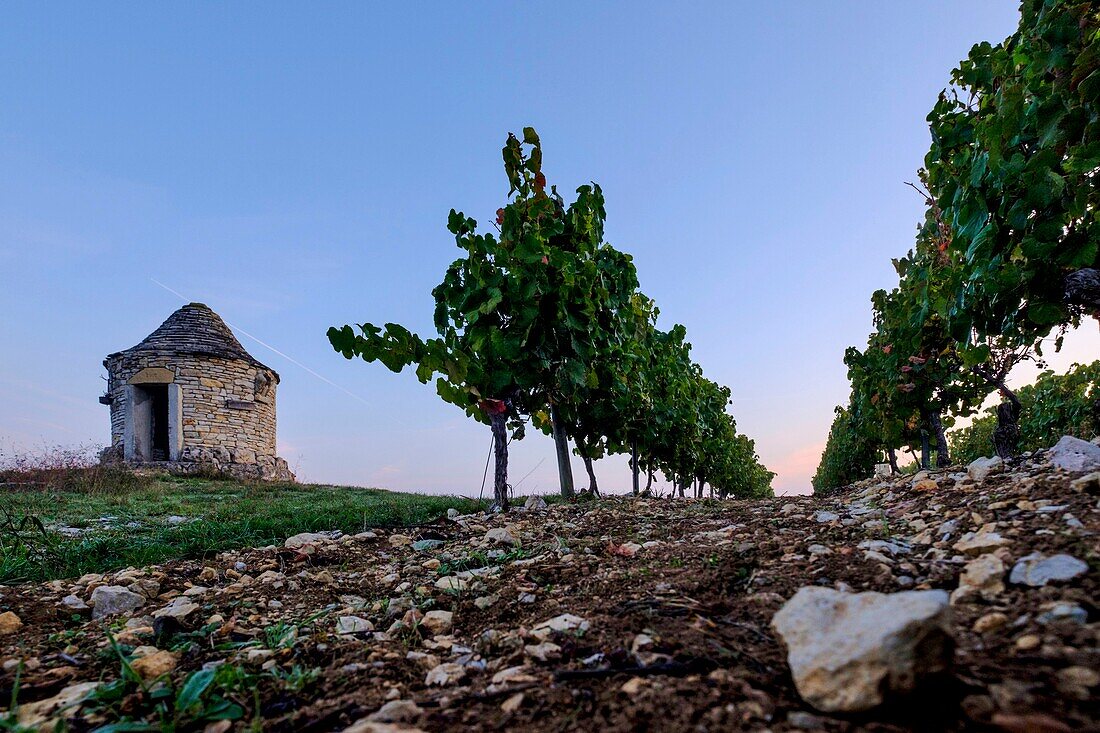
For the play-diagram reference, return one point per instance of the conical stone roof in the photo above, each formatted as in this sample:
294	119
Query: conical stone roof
195	329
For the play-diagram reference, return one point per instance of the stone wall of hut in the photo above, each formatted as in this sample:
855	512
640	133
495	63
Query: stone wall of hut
228	405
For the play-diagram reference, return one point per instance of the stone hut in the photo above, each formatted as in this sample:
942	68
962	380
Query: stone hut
189	398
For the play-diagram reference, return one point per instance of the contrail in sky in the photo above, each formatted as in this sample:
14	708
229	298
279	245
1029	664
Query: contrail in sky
291	359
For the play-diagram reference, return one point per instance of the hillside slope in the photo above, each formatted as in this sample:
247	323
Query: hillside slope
617	615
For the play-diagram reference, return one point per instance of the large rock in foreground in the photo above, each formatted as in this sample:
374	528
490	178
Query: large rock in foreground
849	652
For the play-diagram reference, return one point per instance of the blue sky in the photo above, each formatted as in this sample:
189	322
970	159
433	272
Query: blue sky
293	165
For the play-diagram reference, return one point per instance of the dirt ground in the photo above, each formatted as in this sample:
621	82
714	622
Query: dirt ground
669	606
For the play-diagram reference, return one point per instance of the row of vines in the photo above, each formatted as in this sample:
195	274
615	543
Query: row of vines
1007	255
543	324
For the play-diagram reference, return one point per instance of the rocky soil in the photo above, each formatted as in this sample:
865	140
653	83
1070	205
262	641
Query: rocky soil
622	614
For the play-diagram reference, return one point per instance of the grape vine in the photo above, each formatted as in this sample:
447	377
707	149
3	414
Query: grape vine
544	324
1009	250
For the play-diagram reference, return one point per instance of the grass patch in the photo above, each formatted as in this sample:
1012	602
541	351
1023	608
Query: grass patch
127	524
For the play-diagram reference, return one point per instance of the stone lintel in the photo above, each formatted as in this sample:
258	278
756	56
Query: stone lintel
153	375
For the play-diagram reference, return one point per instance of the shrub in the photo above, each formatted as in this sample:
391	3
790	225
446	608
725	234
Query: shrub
1055	405
58	468
849	455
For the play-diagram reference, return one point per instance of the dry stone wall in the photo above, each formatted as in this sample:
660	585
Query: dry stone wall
227	405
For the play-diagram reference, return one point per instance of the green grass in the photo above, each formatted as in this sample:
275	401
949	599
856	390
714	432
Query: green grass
231	514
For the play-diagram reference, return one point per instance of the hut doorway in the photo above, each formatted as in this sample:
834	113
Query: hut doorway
150	422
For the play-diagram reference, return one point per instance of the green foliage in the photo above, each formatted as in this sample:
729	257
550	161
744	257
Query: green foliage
545	323
1015	149
297	679
133	703
1011	227
974	441
1055	405
849	455
519	316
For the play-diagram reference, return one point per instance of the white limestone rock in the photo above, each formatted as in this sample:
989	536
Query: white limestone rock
565	623
180	608
1037	569
543	652
501	536
347	625
74	602
305	538
850	652
445	674
1074	454
452	583
983	576
982	467
980	542
377	726
437	622
535	504
36	715
396	711
110	600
